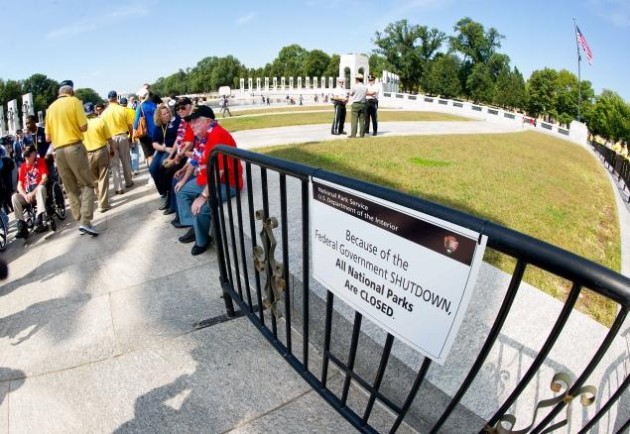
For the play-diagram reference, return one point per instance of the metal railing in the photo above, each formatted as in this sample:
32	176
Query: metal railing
266	289
615	163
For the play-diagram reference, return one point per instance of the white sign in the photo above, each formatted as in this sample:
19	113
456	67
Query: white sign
408	272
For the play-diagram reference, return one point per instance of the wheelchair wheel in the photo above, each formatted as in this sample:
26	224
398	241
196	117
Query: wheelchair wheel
59	202
4	230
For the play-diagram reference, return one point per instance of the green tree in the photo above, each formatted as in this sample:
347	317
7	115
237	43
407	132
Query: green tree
332	70
480	84
200	77
479	46
510	92
290	62
10	90
611	117
316	63
474	42
408	49
378	64
44	90
227	72
541	92
88	94
443	78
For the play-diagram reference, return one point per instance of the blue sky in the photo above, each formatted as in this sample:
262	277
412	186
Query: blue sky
122	44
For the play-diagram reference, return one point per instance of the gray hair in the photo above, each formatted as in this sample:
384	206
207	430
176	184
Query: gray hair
66	90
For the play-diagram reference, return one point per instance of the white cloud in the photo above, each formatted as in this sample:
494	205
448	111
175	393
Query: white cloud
93	24
246	18
71	30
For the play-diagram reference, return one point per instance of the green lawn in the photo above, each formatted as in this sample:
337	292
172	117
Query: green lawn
536	184
271	119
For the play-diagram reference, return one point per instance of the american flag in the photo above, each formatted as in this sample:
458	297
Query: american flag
582	41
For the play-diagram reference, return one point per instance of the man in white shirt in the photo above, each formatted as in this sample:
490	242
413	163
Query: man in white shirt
373	94
339	99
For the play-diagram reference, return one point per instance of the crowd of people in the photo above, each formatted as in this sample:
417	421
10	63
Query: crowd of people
84	145
363	100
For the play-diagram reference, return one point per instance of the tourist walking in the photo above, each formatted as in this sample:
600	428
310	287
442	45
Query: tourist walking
96	140
65	124
117	121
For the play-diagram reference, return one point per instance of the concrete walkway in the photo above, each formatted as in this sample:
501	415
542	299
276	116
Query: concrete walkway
249	139
96	333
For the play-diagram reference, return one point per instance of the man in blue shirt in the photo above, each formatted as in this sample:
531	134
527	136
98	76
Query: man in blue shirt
36	136
19	145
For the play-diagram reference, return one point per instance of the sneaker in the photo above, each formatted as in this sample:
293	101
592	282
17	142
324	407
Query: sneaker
88	229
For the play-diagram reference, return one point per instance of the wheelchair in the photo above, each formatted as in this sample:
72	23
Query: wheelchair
55	207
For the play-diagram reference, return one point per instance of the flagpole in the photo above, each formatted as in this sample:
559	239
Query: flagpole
579	77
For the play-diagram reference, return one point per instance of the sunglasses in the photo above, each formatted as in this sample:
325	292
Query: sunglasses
180	108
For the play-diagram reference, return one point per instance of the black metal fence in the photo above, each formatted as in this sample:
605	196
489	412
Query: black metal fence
330	348
618	165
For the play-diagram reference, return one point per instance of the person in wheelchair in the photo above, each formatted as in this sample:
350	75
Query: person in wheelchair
31	189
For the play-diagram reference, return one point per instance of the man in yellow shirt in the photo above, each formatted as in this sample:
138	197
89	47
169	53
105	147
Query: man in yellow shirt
117	120
65	124
96	139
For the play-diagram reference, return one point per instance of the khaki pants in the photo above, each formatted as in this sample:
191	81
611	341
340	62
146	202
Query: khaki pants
19	202
122	144
99	166
358	117
74	169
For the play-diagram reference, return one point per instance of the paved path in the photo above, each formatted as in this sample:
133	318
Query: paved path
249	139
96	333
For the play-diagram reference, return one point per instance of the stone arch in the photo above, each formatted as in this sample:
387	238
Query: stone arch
355	63
347	76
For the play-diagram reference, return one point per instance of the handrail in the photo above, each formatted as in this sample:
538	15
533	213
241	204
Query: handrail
539	253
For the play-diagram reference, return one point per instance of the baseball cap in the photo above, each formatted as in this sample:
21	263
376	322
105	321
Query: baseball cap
201	111
359	76
112	94
142	92
66	83
370	77
183	101
123	101
88	108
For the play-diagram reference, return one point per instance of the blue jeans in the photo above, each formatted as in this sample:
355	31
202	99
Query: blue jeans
202	221
135	157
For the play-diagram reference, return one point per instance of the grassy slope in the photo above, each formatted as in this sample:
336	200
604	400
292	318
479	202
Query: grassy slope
545	187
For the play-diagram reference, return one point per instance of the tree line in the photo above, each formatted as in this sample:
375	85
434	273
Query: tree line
44	90
466	65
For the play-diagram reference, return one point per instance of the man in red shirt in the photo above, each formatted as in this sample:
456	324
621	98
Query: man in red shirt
31	188
192	190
